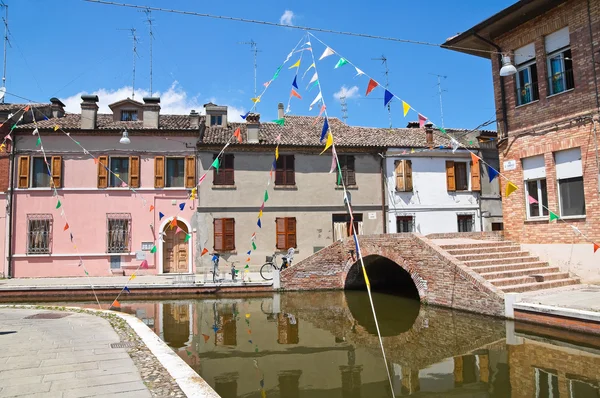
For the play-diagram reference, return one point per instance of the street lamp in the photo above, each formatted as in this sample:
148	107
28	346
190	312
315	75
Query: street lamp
508	68
125	139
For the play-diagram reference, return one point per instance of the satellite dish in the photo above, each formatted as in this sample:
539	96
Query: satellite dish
2	92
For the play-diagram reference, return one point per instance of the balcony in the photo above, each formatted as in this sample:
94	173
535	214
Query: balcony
560	82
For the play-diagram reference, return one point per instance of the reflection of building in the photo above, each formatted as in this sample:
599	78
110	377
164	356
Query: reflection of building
287	329
227	334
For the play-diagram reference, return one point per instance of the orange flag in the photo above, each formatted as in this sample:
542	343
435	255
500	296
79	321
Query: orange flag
238	135
66	227
371	86
116	304
596	247
206	337
151	207
294	93
174	223
96	160
475	159
26	108
204	251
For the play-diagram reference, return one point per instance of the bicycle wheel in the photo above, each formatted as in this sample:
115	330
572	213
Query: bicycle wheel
266	271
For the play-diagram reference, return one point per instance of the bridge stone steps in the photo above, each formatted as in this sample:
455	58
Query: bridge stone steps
501	261
518	272
496	255
482	245
509	267
525	279
526	287
504	249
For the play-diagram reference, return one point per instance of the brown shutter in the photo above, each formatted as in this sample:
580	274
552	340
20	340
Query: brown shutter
400	175
134	171
350	170
190	171
218	234
229	234
4	173
280	170
24	171
281	233
291	232
102	171
290	170
450	181
475	177
408	175
228	169
56	171
159	172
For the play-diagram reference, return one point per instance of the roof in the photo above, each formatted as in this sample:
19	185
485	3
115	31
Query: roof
498	24
104	121
16	107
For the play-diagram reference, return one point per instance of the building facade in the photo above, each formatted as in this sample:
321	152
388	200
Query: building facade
548	116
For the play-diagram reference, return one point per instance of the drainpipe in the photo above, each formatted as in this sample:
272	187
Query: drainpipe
9	207
383	193
502	91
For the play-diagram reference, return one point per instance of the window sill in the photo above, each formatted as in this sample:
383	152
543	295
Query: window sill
349	187
562	92
538	220
529	103
224	187
285	188
221	252
581	217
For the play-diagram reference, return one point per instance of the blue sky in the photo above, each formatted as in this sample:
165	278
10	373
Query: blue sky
68	47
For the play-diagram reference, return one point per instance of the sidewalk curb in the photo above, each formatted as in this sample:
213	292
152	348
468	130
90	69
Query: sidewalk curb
558	311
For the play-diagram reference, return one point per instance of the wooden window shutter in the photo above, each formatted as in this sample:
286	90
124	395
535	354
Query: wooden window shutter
229	234
190	171
134	171
475	177
4	176
290	171
56	167
450	180
281	233
280	170
228	169
291	232
408	182
102	171
24	171
218	234
400	175
159	172
350	171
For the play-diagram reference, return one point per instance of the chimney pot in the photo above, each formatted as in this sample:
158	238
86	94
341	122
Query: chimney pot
151	112
253	127
280	112
429	133
194	119
58	108
89	111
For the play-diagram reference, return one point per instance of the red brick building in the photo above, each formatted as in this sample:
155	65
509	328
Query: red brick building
548	115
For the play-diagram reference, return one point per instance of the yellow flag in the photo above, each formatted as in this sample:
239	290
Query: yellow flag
255	99
296	65
259	213
56	127
328	143
132	277
247	315
412	150
510	188
277	152
367	282
406	108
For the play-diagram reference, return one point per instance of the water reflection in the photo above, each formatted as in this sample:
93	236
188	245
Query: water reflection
324	345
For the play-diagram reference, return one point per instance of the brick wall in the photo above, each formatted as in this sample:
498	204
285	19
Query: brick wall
440	280
486	235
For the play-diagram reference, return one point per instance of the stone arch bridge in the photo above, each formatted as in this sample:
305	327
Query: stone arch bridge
407	264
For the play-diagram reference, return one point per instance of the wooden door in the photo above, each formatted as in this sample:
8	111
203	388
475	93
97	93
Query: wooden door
175	249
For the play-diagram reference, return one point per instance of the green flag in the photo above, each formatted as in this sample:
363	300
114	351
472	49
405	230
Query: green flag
39	141
86	272
187	237
279	121
341	62
215	163
266	195
58	204
253	246
277	73
153	249
339	181
188	352
553	216
247	266
443	130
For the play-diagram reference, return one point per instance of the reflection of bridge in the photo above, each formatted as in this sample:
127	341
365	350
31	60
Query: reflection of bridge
408	264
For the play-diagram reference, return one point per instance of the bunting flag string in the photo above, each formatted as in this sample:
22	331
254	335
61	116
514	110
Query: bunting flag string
510	188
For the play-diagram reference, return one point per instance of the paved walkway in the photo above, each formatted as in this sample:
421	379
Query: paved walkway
577	297
65	357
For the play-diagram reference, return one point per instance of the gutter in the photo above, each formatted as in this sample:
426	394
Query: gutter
383	192
9	207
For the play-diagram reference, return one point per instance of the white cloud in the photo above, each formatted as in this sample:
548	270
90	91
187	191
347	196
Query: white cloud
287	18
349	93
174	101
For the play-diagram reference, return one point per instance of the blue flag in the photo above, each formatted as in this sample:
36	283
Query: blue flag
492	173
249	251
274	164
127	289
258	223
294	83
325	128
245	116
160	215
181	206
387	97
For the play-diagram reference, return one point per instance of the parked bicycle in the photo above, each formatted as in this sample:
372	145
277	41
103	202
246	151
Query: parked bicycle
266	271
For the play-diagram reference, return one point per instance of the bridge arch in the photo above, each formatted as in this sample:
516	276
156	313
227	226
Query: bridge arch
387	275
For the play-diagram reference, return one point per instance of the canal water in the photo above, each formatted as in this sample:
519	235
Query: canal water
324	344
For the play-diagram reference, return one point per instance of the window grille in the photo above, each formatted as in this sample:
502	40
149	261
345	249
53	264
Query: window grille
39	233
118	232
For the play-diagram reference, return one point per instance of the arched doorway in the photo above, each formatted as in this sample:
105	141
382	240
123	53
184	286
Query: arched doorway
176	255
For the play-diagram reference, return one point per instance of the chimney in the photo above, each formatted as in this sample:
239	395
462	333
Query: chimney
151	112
58	108
280	113
252	127
89	111
412	125
429	133
194	119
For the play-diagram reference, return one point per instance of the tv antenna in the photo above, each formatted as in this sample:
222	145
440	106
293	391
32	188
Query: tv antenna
344	108
6	43
254	49
149	20
440	91
383	60
135	54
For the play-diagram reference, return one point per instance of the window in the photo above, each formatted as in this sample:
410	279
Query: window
460	176
497	226
465	222
571	197
534	176
348	171
39	233
560	62
457	176
175	172
405	224
286	232
118	232
224	234
180	172
39	174
343	228
581	389
216	120
119	168
33	172
129	116
526	78
403	172
224	175
284	173
546	384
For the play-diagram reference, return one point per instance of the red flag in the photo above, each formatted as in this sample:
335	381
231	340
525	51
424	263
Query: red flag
422	120
26	108
96	160
204	251
115	304
371	86
151	207
238	135
294	93
144	265
596	247
475	159
66	227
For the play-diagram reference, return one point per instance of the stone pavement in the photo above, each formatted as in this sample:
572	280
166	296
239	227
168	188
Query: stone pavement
66	357
580	297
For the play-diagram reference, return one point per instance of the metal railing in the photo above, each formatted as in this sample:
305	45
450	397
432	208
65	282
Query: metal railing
118	233
39	233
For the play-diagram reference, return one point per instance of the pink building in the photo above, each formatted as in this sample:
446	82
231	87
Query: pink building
112	193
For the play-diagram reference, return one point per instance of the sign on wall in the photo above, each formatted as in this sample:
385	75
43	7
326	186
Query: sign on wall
147	246
372	216
510	165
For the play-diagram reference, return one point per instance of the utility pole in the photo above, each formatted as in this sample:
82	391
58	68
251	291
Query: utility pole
254	49
344	108
135	54
149	21
440	91
6	43
383	60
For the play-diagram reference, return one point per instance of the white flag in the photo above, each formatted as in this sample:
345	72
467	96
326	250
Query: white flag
455	145
318	98
333	162
314	78
35	131
359	72
328	51
288	57
309	68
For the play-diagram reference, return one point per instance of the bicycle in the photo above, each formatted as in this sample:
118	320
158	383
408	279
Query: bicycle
271	264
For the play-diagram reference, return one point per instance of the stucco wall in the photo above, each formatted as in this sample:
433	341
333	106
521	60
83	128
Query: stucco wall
576	258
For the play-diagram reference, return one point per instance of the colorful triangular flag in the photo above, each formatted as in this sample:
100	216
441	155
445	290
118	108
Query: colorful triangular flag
405	108
178	230
358	72
422	120
238	134
244	116
132	277
280	122
254	244
474	159
204	251
318	98
340	63
296	65
295	83
266	196
206	337
115	304
182	206
39	141
328	51
333	161
294	93
277	152
160	215
387	97
58	204
314	78
371	86
153	250
325	129
151	207
259	223
255	99
553	216
66	227
144	264
328	143
126	289
187	238
510	188
493	173
596	247
173	222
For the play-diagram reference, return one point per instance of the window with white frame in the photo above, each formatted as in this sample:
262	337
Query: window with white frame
175	172
39	233
119	167
526	78
559	62
118	232
405	223
583	388
40	177
569	173
546	384
536	193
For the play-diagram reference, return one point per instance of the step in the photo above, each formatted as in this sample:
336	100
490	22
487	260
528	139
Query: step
490	256
500	261
470	245
518	272
509	267
507	248
539	285
525	279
